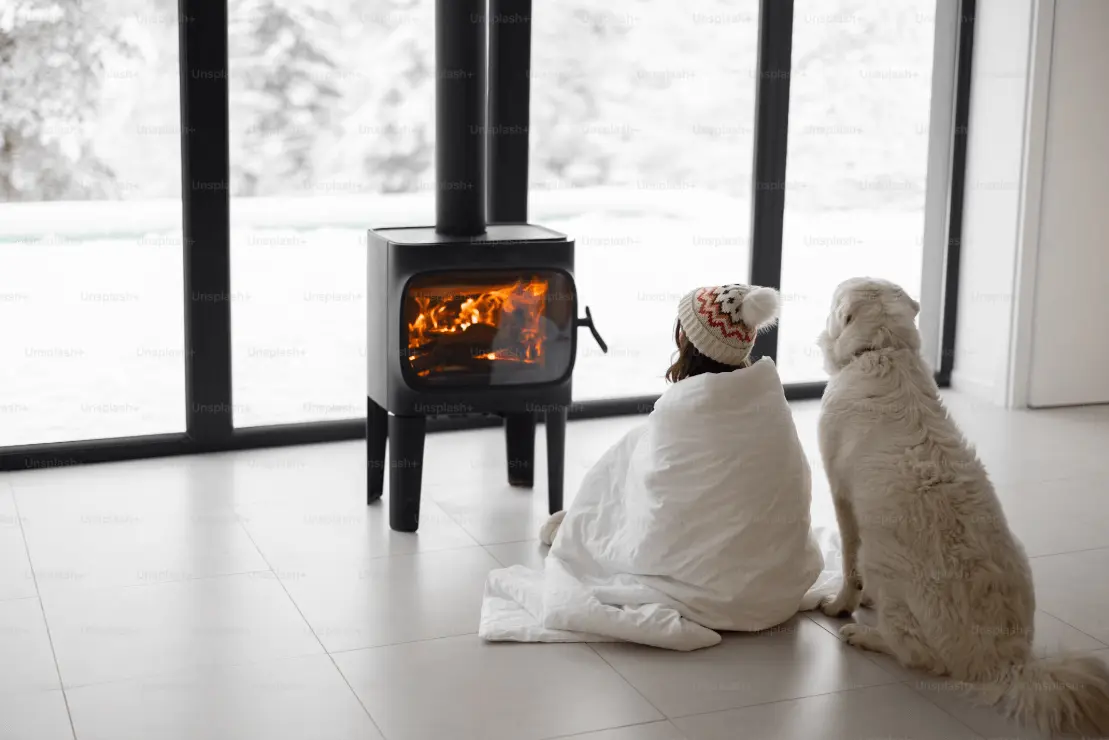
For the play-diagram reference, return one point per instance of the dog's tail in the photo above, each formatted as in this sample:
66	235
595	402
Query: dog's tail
1066	695
550	527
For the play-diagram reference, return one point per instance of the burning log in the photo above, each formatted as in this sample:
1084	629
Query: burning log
462	349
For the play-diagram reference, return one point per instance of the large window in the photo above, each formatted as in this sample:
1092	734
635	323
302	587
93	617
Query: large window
91	341
860	101
332	132
641	150
186	186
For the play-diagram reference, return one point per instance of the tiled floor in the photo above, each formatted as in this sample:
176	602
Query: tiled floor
254	595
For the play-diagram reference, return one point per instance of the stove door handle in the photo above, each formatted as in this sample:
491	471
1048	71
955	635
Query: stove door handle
588	322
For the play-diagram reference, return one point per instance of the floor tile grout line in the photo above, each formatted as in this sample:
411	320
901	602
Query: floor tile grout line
311	629
113	586
910	685
783	701
610	729
1103	644
456	523
624	678
402	642
138	677
486	548
42	610
1056	616
498	544
1069	552
513	542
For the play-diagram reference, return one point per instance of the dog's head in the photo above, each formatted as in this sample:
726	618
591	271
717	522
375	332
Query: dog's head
868	314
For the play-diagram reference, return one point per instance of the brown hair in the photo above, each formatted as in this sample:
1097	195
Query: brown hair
690	362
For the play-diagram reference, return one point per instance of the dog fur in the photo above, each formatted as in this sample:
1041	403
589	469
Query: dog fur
550	527
922	527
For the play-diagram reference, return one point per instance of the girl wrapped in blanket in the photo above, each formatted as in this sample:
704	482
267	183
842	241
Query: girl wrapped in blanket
696	521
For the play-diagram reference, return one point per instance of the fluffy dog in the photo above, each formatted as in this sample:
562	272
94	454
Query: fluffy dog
923	530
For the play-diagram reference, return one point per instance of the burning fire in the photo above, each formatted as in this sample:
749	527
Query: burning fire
501	323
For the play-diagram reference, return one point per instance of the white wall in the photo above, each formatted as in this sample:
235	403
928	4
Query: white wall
992	201
1069	353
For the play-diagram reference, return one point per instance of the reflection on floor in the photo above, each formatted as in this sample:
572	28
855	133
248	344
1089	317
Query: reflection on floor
254	595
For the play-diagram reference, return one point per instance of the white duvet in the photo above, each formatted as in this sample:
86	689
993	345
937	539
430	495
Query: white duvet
695	522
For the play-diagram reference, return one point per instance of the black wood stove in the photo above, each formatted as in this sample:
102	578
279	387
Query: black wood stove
465	316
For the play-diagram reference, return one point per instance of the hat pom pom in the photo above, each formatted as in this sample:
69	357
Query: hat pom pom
760	308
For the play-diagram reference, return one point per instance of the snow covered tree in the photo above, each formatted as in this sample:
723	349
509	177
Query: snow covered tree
283	91
387	138
53	58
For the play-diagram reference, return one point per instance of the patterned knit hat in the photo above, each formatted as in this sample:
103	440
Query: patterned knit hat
722	321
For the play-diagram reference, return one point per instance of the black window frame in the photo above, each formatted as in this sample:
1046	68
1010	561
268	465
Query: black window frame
205	158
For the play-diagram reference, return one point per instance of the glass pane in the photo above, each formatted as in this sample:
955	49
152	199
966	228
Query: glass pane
488	328
91	289
860	97
332	132
641	149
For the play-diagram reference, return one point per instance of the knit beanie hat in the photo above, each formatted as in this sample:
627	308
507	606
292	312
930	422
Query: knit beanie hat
722	321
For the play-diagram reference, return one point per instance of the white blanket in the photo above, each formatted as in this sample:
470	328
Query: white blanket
696	521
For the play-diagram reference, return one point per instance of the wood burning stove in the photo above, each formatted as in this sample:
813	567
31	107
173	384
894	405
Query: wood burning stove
465	316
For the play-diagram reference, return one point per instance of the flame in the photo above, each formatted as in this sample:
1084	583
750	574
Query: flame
522	302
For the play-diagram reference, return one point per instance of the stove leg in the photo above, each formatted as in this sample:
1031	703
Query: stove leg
556	457
377	429
406	467
519	445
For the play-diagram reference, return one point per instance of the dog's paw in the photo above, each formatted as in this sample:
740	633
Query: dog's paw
550	527
837	606
863	637
852	633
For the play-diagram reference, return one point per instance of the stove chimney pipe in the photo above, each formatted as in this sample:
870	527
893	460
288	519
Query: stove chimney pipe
460	116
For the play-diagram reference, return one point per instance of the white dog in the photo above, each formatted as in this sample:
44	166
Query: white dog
923	530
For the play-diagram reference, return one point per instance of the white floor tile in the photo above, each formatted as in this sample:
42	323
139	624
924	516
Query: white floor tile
333	527
283	474
288	699
123	529
499	514
1058	516
878	712
26	660
531	553
16	581
463	689
466	475
459	462
203	479
650	731
1074	588
796	659
1056	637
391	600
117	633
1030	446
38	716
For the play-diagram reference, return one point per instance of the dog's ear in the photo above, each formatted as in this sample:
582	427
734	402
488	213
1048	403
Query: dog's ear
913	305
